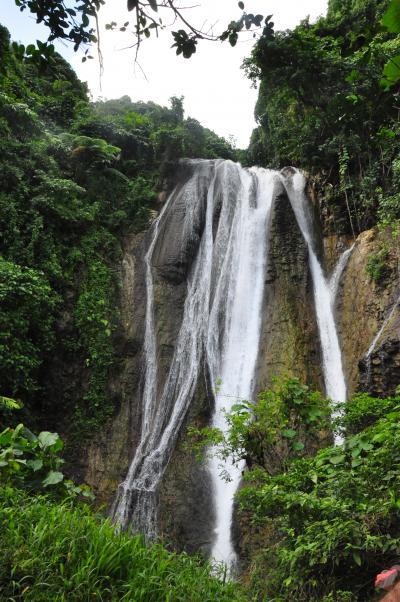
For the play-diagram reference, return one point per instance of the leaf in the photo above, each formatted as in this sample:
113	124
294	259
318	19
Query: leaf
289	433
233	37
379	437
366	446
391	72
10	404
53	478
241	5
391	18
153	4
47	439
6	437
132	4
35	464
298	446
337	459
357	558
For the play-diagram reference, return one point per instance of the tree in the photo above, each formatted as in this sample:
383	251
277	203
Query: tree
76	24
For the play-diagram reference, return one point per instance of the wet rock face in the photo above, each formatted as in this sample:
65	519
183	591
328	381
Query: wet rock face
289	342
361	309
186	513
380	374
181	229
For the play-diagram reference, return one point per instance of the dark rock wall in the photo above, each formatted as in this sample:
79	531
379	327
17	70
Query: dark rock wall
289	342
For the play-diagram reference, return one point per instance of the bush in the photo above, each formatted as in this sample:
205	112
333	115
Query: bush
334	516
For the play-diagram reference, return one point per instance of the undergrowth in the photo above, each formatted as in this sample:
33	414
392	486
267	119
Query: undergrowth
64	553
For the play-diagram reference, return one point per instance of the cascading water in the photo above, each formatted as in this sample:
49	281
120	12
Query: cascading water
221	323
336	275
335	383
242	237
220	326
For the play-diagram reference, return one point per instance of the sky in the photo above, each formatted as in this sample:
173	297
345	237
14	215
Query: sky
215	89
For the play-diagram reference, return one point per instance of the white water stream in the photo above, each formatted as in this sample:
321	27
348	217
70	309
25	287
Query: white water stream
335	383
242	238
221	325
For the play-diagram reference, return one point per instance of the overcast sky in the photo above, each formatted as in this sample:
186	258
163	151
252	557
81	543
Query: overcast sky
215	89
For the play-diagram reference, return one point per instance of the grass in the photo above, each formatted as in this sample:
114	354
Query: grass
64	553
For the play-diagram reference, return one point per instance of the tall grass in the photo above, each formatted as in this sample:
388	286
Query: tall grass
57	552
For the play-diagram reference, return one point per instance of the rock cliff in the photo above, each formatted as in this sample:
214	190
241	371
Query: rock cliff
289	345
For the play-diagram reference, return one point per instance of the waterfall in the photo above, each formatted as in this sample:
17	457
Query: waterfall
336	275
335	383
221	324
220	328
242	245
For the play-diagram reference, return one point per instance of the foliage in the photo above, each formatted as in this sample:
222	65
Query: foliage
76	179
332	517
376	267
65	552
287	421
75	24
391	20
9	404
322	108
26	325
32	462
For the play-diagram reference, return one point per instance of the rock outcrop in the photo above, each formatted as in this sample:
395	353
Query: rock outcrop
362	309
289	342
289	346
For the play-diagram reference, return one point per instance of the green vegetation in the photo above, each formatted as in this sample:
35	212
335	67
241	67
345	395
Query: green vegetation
33	462
76	179
78	23
322	107
377	268
330	515
60	551
54	548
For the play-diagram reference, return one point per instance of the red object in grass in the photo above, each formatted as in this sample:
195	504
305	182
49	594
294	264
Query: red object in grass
386	579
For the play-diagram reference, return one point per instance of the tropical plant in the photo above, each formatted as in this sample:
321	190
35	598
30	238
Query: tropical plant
33	463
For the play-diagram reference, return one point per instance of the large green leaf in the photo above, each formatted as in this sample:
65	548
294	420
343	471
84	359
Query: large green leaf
391	72
53	478
47	439
391	18
35	464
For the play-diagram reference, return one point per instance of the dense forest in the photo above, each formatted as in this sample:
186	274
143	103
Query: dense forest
77	179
